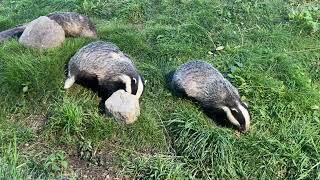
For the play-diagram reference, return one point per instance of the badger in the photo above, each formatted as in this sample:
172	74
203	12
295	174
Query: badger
202	82
16	31
72	23
101	66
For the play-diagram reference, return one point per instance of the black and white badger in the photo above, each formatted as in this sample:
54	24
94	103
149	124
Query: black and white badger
202	82
101	66
74	24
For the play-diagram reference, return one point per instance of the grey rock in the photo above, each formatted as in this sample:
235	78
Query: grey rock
123	106
42	33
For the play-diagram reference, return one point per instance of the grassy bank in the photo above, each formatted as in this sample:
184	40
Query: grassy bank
271	54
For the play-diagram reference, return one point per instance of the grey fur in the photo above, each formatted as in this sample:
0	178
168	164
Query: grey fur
104	61
201	81
4	35
74	24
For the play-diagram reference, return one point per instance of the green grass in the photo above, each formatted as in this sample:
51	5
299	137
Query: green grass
271	54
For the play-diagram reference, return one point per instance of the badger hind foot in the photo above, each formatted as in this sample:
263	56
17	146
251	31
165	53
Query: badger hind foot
69	82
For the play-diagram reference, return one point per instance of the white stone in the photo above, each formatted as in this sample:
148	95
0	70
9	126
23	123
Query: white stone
123	106
42	33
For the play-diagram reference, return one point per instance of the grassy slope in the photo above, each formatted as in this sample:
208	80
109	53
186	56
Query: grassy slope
274	63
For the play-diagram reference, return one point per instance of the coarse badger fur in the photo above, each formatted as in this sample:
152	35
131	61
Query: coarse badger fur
72	23
202	82
102	67
17	31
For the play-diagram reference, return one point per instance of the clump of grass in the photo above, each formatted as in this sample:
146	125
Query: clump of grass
10	166
27	73
157	167
54	165
307	14
207	148
67	119
213	152
26	10
99	8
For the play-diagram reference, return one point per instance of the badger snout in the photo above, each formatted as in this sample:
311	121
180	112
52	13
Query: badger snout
238	116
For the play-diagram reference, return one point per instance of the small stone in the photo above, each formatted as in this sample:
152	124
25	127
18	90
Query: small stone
123	106
219	48
42	33
25	89
315	107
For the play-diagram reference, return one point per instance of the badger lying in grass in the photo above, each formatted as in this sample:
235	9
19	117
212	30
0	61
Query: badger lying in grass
202	82
72	23
101	66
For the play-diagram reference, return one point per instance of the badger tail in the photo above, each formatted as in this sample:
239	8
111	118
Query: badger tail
14	32
69	82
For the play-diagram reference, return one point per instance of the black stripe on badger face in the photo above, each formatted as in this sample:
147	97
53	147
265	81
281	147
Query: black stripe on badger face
239	117
135	83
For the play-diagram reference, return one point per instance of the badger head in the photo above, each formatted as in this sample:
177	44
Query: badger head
137	86
133	85
238	115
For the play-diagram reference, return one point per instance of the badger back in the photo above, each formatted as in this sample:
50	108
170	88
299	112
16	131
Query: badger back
200	80
102	59
108	64
74	24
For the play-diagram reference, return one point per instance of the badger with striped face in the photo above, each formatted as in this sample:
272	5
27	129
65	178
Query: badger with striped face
73	24
102	67
202	82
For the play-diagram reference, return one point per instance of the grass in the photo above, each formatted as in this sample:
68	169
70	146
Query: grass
271	54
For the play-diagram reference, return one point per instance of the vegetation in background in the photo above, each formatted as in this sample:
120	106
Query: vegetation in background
271	53
308	15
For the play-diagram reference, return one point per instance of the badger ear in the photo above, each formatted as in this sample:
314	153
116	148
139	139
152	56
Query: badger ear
245	105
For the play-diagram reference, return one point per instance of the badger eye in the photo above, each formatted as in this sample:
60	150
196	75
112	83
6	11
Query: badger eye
135	80
234	110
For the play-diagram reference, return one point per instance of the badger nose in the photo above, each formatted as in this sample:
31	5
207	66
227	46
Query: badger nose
242	129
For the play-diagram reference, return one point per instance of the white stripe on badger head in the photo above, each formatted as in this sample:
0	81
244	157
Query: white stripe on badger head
231	118
245	114
140	88
69	82
127	81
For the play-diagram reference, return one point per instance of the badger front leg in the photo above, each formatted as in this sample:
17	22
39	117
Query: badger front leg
69	82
